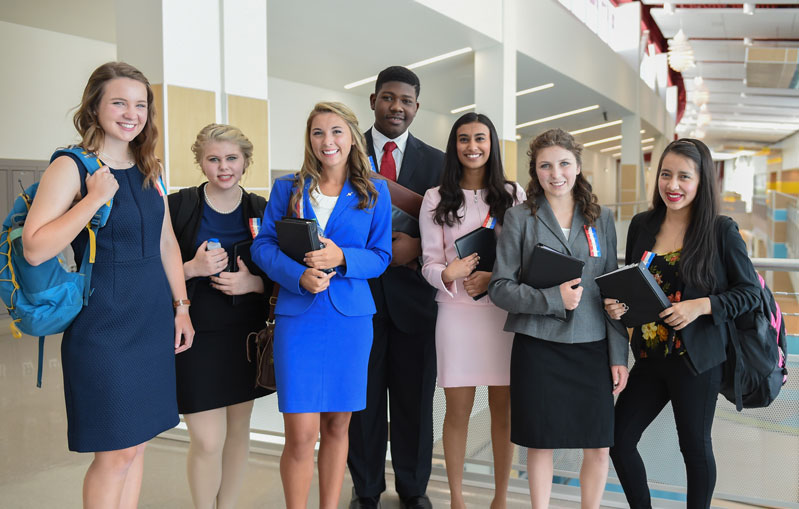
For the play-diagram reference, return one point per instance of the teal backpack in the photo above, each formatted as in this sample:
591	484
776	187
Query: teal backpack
46	298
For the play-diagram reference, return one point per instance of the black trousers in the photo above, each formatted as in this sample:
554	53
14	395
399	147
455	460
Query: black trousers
402	366
652	384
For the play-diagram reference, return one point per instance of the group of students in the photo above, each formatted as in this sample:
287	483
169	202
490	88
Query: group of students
376	313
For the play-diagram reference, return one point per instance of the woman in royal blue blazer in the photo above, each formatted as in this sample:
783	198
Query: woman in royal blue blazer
323	327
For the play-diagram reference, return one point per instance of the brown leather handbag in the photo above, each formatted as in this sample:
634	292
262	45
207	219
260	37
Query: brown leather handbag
262	342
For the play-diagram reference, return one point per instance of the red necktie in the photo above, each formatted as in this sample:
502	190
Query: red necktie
388	168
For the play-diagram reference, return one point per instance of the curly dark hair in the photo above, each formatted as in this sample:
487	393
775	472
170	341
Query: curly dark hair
582	191
498	197
699	244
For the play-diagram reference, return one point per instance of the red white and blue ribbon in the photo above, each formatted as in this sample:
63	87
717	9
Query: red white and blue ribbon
255	226
489	222
593	241
647	258
159	185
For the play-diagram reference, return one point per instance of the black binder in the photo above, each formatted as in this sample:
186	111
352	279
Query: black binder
242	249
403	222
549	268
297	236
482	241
635	286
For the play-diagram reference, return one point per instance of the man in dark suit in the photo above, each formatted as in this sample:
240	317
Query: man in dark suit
403	357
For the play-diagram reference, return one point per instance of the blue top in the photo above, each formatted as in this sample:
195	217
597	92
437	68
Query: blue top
228	228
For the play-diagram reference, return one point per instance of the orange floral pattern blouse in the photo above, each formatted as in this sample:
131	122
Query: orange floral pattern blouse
656	339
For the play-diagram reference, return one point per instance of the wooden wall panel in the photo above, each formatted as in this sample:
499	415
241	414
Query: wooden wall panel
189	111
158	103
628	189
509	155
252	117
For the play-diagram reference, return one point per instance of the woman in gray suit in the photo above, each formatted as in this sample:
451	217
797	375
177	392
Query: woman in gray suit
565	367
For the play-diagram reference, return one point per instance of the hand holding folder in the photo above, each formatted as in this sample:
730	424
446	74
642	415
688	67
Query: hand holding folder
635	286
405	207
482	241
549	268
297	236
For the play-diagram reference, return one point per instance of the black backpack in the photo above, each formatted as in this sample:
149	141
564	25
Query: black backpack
755	369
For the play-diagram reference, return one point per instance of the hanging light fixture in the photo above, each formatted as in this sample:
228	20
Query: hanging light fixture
701	94
703	118
681	55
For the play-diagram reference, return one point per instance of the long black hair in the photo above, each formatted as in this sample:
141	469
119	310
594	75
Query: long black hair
498	197
699	244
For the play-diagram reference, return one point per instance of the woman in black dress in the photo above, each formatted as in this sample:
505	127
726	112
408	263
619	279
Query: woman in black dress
215	382
700	261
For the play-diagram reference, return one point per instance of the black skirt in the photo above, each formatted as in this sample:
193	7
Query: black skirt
561	395
215	372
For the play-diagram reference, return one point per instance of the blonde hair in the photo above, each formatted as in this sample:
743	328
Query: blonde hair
358	167
88	124
222	132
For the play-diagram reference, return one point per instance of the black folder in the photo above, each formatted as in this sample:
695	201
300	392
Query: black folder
549	268
242	249
482	241
297	236
403	222
635	286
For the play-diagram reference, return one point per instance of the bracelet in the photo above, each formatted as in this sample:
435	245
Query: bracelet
181	302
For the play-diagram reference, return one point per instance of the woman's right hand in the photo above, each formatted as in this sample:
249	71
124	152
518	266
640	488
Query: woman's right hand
614	308
571	296
101	185
206	263
460	268
315	281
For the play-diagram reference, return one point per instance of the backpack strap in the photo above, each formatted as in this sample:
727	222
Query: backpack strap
91	163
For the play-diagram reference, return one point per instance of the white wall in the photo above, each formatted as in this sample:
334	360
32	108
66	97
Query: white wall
44	74
289	105
790	152
485	16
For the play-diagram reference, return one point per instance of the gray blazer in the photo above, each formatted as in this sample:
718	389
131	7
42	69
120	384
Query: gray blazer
533	311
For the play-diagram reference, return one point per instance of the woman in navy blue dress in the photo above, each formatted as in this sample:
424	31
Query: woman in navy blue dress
323	332
118	354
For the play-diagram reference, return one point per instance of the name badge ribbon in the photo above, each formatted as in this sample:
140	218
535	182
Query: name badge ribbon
593	241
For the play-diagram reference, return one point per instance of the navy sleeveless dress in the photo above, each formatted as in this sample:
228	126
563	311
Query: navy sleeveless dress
118	355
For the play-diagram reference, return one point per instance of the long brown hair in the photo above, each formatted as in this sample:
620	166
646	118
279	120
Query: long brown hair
92	134
358	168
582	192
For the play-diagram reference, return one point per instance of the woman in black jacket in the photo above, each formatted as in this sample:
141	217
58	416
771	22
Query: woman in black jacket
700	261
216	382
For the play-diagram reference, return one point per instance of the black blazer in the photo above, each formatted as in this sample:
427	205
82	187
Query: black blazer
401	293
186	212
737	289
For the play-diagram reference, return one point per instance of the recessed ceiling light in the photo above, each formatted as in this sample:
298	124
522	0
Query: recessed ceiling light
594	127
617	154
749	8
648	147
463	108
605	140
611	149
559	115
414	65
534	89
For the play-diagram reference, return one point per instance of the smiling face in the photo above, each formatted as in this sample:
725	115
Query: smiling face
473	142
557	170
223	163
122	109
678	182
331	140
395	107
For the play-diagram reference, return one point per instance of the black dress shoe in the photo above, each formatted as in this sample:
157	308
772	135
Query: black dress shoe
364	502
420	502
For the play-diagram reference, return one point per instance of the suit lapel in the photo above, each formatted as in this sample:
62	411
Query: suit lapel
307	209
410	161
370	148
578	220
547	218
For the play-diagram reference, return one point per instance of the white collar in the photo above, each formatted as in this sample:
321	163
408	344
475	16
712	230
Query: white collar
379	139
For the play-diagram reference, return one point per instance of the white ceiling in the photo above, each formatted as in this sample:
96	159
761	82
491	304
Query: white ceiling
716	31
311	43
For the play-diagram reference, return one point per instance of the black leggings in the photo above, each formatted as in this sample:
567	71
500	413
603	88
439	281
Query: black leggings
652	384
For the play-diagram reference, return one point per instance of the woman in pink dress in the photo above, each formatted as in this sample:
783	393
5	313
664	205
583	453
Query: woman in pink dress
471	347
